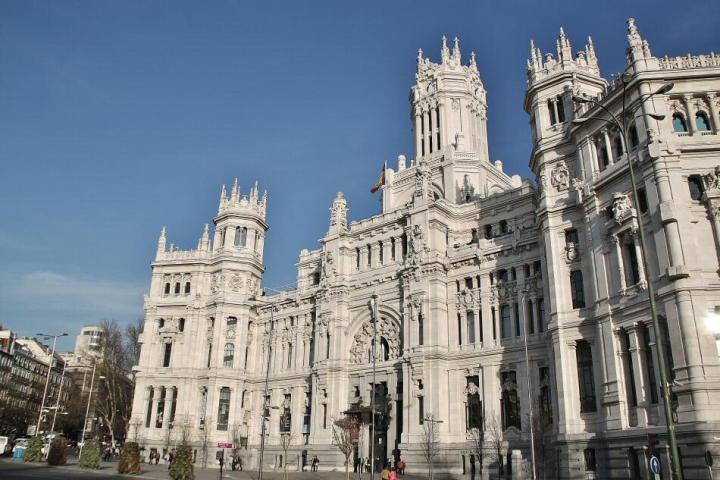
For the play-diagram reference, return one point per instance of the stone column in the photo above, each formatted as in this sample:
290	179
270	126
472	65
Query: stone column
618	254
594	161
418	136
652	345
169	394
434	130
555	110
638	255
156	400
533	315
374	254
387	251
640	371
714	112
363	257
426	131
608	147
441	124
687	99
712	200
398	249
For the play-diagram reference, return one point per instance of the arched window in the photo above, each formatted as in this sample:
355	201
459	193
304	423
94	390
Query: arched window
177	288
560	109
634	139
228	355
167	288
618	147
384	349
679	124
187	288
702	123
604	158
289	355
181	325
240	236
161	323
223	409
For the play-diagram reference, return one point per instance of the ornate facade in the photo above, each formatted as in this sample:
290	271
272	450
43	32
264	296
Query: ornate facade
494	296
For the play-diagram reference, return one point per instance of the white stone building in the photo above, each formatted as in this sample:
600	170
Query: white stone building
466	263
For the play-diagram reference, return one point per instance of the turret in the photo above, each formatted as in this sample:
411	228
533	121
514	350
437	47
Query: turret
338	215
161	245
448	105
552	82
638	52
240	223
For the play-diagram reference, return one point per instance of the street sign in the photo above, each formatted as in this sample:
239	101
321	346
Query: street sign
224	445
655	466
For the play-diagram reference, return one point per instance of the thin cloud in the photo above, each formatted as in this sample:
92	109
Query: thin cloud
44	298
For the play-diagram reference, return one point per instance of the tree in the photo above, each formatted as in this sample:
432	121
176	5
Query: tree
541	429
90	455
56	452
344	435
130	459
477	446
115	362
33	453
286	440
495	439
205	442
430	442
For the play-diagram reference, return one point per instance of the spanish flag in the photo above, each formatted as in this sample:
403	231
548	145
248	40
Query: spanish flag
381	180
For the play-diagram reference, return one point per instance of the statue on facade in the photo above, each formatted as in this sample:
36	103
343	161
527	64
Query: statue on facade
621	207
712	179
338	214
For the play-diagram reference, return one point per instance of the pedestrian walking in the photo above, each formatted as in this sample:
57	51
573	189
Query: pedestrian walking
393	473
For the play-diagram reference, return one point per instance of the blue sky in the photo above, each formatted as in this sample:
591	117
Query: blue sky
117	118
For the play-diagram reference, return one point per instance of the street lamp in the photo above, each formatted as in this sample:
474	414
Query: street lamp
87	410
523	300
265	395
374	307
57	402
45	336
623	126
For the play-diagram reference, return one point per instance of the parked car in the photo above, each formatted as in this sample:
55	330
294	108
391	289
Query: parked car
6	445
21	443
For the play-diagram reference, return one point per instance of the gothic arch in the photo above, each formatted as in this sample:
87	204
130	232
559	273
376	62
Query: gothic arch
389	328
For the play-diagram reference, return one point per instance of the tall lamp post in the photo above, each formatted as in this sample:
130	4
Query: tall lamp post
57	402
265	395
87	410
45	336
623	125
374	312
523	300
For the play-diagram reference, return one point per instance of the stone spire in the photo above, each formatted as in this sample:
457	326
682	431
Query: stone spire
204	243
456	55
473	62
162	242
338	214
638	48
564	50
444	51
234	195
223	198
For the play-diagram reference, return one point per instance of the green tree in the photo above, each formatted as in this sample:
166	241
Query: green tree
90	456
33	453
56	454
130	459
182	465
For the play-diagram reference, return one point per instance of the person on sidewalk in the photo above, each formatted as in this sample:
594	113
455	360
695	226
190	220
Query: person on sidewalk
367	464
402	467
385	474
393	474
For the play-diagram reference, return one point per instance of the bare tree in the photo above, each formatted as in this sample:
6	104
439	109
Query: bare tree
477	446
430	442
495	438
286	440
345	433
115	362
541	429
205	442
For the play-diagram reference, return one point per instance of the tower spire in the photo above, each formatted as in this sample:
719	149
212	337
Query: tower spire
205	238
444	51
235	192
162	242
456	51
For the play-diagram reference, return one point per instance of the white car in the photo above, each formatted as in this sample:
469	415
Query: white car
5	445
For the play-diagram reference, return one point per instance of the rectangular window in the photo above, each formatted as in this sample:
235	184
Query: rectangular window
529	315
209	356
510	403
421	410
286	417
392	248
480	322
650	361
541	315
471	326
469	283
289	355
459	329
632	258
642	200
630	374
357	259
505	321
381	254
149	408
223	409
421	332
517	320
494	328
324	415
576	289
545	395
590	461
167	354
586	378
242	399
571	236
473	406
